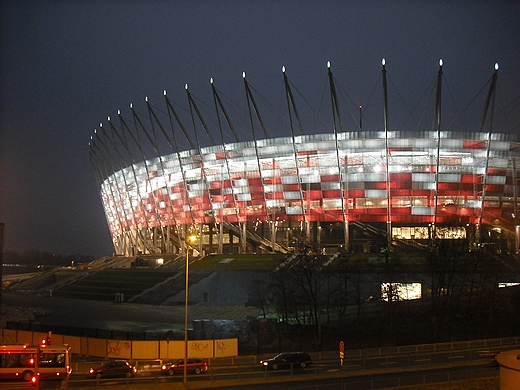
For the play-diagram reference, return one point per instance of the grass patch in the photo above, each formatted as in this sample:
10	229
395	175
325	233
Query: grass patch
245	262
104	285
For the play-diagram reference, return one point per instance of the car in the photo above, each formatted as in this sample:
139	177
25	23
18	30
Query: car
114	368
195	365
287	360
491	355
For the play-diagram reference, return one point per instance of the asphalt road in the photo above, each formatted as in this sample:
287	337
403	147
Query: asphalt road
427	379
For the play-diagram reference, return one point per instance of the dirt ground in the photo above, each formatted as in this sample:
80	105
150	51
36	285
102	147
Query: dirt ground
111	315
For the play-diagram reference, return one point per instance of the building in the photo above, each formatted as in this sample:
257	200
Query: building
341	190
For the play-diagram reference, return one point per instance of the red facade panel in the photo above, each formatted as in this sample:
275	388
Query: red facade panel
316	210
291	187
375	185
257	196
255	182
495	188
400	177
331	194
272	180
355	193
469	178
375	211
273	195
474	144
315	194
329	178
256	189
400	210
400	193
401	185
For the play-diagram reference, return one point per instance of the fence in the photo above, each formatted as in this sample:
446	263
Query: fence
128	349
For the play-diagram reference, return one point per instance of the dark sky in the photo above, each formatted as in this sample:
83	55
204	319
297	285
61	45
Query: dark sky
67	65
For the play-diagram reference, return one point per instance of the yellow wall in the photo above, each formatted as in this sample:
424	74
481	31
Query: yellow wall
123	349
226	347
120	349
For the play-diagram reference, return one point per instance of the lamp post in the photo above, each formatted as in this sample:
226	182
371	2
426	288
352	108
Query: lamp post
186	296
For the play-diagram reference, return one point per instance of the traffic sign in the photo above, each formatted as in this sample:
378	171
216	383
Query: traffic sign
341	351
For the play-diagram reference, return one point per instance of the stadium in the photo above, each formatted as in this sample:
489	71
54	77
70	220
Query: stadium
340	190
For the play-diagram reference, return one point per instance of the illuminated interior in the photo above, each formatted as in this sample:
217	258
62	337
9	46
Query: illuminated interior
400	291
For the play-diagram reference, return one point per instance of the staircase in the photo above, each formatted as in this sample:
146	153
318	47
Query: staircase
379	232
256	238
35	283
161	292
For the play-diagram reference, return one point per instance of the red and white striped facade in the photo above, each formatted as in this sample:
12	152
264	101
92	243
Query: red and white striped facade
249	196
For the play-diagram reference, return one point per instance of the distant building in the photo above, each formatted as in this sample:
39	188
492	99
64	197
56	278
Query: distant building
341	190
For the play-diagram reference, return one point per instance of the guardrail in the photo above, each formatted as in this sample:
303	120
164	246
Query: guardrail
321	375
476	354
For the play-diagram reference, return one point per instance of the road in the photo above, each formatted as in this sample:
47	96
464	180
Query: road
111	315
366	373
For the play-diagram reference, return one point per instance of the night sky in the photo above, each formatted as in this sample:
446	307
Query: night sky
68	65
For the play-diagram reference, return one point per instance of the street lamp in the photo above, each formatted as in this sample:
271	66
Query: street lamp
186	269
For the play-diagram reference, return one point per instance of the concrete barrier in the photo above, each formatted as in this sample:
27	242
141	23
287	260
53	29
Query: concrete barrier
509	370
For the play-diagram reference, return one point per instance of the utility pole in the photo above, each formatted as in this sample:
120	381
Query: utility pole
2	225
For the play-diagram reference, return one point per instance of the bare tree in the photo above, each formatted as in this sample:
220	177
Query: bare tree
450	269
259	291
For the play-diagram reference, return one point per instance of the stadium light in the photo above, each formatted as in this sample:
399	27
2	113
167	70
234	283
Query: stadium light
186	270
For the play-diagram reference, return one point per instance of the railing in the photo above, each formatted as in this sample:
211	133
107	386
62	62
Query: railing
366	373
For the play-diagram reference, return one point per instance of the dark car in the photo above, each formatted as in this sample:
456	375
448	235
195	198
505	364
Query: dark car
114	368
288	360
195	365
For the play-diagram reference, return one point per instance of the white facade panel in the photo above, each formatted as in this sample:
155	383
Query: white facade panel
292	195
294	210
449	178
375	193
422	210
496	180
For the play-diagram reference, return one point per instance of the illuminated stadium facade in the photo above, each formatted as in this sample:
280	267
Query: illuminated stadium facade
345	190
